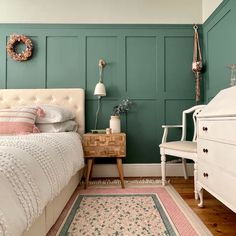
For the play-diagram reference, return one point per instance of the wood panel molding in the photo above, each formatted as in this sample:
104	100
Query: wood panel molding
137	68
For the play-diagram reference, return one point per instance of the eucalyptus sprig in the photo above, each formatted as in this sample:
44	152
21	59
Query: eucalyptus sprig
123	107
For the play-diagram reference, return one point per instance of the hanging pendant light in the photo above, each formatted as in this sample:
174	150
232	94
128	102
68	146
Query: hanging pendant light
100	89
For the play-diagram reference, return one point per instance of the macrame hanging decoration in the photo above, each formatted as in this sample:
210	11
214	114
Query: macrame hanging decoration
197	63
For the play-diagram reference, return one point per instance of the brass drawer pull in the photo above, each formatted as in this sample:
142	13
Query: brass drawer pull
204	128
205	150
205	174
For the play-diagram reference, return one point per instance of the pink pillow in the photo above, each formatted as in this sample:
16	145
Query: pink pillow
18	120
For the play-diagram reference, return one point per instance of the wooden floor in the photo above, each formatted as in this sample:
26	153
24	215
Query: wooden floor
217	217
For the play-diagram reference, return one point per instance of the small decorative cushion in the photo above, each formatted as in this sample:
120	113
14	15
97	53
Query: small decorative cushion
66	126
54	114
18	120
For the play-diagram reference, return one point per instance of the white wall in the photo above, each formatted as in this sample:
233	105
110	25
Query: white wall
102	11
208	6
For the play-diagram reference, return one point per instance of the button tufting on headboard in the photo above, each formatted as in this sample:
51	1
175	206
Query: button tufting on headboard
33	98
72	99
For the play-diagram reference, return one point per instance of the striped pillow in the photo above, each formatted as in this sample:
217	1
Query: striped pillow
18	120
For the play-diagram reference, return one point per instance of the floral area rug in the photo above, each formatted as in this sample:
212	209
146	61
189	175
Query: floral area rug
144	210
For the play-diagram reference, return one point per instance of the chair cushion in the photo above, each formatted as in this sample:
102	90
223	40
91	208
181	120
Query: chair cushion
185	146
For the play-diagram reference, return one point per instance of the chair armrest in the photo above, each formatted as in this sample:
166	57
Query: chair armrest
165	133
172	126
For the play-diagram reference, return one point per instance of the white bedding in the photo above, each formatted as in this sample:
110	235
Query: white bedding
33	170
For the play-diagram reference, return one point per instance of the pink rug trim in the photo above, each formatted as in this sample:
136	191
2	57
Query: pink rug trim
177	216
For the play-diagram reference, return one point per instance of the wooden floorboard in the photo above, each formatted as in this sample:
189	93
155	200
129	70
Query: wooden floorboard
217	217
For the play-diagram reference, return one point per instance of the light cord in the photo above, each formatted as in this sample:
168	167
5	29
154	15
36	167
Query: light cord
97	112
100	73
101	65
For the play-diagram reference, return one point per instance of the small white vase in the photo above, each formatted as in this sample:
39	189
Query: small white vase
115	124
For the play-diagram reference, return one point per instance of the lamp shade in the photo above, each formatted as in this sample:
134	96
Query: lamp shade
100	89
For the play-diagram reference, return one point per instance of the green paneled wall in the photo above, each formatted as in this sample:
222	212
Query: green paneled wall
62	58
219	47
150	64
141	72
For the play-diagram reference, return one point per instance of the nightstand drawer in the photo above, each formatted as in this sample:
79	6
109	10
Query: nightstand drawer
112	151
104	145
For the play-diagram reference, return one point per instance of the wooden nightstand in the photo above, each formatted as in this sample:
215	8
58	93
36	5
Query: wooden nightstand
104	145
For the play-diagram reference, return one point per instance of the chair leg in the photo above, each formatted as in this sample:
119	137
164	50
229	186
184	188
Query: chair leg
184	168
163	169
195	181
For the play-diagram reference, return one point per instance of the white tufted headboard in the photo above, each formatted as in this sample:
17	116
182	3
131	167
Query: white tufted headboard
73	99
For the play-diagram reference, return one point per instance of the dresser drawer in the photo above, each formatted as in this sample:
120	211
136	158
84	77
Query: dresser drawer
217	154
218	183
223	130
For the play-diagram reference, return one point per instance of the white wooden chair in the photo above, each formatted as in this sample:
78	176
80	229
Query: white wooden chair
182	148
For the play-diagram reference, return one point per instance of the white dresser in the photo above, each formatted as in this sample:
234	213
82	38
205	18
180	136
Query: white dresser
216	147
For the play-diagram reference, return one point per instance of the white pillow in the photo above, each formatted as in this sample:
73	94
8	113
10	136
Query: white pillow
66	126
55	114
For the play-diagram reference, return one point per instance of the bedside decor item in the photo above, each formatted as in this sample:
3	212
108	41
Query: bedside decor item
197	63
108	130
232	68
123	107
104	146
115	124
98	131
13	41
119	109
100	89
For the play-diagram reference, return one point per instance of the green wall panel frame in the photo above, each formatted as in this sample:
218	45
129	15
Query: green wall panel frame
141	66
177	47
145	132
173	113
219	47
150	64
31	72
3	60
106	48
63	60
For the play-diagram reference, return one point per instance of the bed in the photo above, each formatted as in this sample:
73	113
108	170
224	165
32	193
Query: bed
72	99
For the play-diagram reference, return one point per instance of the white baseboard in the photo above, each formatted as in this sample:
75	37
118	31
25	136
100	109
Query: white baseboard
140	170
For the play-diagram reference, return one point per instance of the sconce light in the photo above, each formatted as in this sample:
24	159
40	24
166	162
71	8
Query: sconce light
100	89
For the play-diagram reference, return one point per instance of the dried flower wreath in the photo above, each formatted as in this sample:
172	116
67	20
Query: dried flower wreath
24	55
